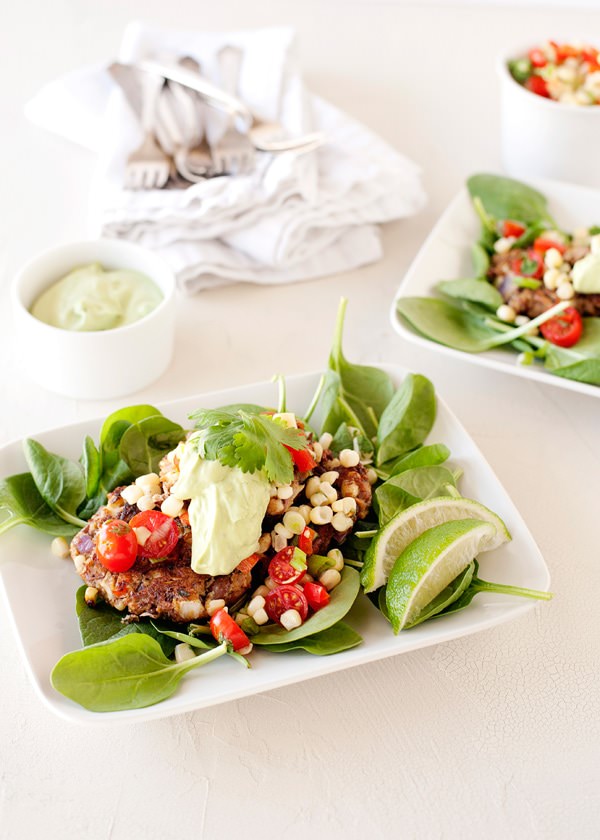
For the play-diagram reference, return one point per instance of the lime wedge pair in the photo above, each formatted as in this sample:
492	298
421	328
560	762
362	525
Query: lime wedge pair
424	548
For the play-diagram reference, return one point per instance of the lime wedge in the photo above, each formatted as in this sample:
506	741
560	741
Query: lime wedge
409	524
430	563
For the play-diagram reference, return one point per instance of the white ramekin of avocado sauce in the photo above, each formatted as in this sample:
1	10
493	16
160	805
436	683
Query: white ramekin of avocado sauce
96	319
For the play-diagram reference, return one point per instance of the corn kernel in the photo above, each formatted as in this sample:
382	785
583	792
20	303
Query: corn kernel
349	458
341	522
132	494
214	606
290	619
60	547
328	491
506	313
321	515
330	579
261	617
172	506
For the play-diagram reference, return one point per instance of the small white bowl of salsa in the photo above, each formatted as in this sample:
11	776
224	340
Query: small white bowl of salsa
96	319
550	109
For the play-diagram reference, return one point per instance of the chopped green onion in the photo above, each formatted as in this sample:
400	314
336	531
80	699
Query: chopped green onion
525	358
249	626
298	560
527	282
317	564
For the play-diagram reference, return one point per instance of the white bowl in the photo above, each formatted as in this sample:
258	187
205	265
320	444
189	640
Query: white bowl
103	364
544	138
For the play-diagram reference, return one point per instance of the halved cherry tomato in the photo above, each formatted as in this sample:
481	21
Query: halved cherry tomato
544	243
510	228
537	58
116	545
519	266
164	533
316	595
224	629
302	458
565	329
537	85
305	540
281	569
288	597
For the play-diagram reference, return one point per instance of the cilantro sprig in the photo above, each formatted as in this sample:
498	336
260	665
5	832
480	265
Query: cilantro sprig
249	438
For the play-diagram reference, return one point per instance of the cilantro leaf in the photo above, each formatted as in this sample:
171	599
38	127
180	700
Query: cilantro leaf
249	438
528	266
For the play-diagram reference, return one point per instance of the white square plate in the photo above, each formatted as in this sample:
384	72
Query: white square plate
446	254
40	589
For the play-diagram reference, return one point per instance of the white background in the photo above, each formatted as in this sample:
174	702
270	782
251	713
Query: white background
492	736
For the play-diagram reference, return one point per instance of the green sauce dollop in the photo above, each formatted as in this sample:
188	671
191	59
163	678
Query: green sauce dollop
226	510
586	275
90	299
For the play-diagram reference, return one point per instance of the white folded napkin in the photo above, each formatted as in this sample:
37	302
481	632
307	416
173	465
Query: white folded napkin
294	217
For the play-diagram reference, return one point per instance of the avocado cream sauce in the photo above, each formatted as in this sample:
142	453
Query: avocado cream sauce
226	509
586	275
90	298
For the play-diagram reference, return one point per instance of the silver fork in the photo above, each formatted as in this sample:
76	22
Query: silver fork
194	162
233	152
148	166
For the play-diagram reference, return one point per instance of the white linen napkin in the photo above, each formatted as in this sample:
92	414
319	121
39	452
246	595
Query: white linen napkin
294	217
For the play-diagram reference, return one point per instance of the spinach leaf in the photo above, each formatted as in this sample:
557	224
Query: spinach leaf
129	672
334	639
505	198
423	456
580	362
60	481
478	291
586	370
446	323
409	487
407	419
116	471
92	466
128	415
21	501
342	598
364	390
103	622
480	259
453	326
335	409
146	442
477	585
344	439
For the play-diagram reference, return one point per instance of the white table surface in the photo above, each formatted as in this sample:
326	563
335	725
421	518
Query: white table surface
494	735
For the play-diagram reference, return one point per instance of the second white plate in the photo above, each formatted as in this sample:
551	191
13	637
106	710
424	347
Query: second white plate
446	254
